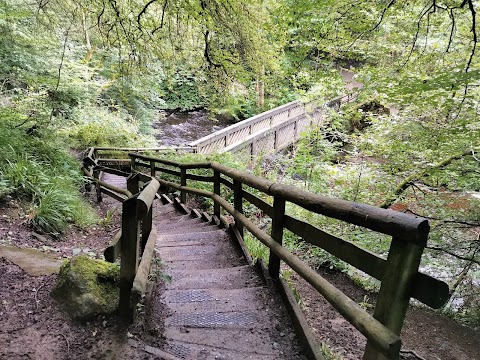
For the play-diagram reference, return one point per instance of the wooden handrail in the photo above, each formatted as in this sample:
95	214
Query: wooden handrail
386	340
397	286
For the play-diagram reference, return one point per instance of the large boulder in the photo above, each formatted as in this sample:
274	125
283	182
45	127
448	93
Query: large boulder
86	287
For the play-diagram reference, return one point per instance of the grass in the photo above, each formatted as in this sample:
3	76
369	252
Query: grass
38	168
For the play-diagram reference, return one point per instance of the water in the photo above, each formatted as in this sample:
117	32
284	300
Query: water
181	128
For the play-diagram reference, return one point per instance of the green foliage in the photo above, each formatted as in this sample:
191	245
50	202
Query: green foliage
37	168
181	91
329	354
95	126
256	249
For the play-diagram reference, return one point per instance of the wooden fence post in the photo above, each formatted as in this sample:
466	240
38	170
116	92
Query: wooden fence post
129	255
98	190
238	202
277	235
183	182
132	183
152	169
146	229
216	190
394	297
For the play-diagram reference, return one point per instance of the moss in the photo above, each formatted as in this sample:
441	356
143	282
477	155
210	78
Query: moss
87	287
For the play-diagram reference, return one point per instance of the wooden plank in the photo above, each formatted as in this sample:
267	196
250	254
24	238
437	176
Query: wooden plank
130	255
216	189
246	178
199	165
113	171
113	161
344	250
179	205
141	278
277	235
133	183
239	237
183	182
266	208
394	295
112	252
168	171
238	202
200	178
130	149
165	199
428	290
113	194
407	227
227	183
146	197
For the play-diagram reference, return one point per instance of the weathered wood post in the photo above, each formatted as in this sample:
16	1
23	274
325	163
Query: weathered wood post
277	235
145	208
394	297
129	255
216	190
132	162
183	182
152	169
98	189
146	229
132	183
238	202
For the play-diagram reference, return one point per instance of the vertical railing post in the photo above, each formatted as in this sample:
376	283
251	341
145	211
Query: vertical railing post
183	182
238	202
277	235
394	296
153	172
98	190
146	229
132	184
132	163
129	255
216	190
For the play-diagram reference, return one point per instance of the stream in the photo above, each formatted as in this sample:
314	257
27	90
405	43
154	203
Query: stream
181	128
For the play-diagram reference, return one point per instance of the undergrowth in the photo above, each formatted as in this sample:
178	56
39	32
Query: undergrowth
37	167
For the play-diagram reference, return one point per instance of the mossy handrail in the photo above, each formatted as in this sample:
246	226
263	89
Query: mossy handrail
409	237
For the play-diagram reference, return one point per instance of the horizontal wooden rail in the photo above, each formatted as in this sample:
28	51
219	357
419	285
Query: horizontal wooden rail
105	185
398	273
383	338
410	228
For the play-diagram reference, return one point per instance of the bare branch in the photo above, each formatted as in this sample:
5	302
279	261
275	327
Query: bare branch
139	16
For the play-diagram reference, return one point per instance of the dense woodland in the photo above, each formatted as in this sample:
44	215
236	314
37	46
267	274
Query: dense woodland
75	74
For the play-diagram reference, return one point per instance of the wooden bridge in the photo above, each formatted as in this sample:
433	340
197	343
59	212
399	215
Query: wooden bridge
267	132
217	304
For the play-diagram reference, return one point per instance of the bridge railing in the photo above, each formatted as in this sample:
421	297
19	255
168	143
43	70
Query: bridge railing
399	276
236	133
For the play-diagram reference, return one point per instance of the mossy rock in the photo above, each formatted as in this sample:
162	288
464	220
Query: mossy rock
87	287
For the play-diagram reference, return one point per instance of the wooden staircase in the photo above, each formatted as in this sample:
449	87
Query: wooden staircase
217	305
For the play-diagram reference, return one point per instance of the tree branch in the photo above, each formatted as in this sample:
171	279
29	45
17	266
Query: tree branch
408	181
